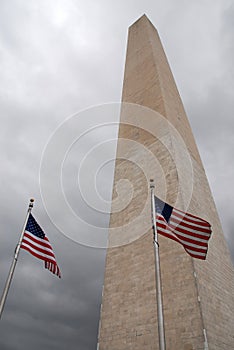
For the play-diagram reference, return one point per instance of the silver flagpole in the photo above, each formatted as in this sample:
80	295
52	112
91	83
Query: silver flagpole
161	331
14	261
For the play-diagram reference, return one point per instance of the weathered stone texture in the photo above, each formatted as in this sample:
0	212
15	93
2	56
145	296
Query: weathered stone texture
197	294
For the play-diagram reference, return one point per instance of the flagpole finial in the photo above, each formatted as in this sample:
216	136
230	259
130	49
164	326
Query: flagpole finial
151	183
31	203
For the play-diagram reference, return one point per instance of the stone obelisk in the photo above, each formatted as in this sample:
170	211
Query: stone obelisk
198	295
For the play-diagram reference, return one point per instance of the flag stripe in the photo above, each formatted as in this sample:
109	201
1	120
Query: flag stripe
37	255
43	242
52	267
187	247
194	233
36	249
196	253
192	238
46	250
190	215
184	241
190	218
190	226
188	238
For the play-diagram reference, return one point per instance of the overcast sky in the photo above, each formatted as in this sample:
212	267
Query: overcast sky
58	58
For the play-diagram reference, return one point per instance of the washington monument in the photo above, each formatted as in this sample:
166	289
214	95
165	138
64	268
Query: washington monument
156	141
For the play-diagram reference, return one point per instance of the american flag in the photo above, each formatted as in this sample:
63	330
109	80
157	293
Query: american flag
189	230
36	242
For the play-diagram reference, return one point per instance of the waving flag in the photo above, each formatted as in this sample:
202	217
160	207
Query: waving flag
189	230
36	242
